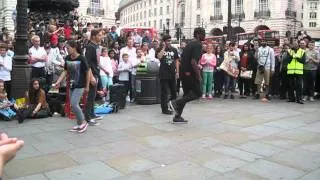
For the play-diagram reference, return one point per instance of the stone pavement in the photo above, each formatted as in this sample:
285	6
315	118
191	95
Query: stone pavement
224	139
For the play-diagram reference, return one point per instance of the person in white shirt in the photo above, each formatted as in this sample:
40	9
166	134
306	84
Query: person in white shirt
137	37
5	68
124	69
266	67
54	66
106	72
129	50
37	58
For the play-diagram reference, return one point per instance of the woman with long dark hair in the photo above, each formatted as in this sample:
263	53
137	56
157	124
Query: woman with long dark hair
77	68
36	103
246	64
219	75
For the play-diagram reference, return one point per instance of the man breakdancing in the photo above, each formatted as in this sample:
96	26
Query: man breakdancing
189	75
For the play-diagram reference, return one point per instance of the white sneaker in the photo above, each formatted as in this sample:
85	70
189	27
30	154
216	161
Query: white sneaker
305	98
311	99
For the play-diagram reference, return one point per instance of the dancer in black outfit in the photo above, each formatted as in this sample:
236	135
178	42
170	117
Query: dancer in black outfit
189	75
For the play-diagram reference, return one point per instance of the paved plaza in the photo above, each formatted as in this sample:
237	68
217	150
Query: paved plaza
224	139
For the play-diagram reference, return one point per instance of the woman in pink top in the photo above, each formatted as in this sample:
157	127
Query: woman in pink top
208	63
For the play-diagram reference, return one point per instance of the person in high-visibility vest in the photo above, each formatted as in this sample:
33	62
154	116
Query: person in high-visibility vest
295	72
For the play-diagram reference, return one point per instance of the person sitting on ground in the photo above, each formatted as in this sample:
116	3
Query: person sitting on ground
6	113
36	104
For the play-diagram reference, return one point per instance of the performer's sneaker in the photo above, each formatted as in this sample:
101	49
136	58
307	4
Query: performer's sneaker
168	112
173	106
93	122
75	128
83	127
179	119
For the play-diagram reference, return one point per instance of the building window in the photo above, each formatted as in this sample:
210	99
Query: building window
198	20
301	15
155	12
290	5
160	23
313	5
217	8
312	24
149	2
161	1
168	9
263	5
239	7
149	23
145	4
95	7
144	24
313	15
155	24
160	10
198	4
141	15
155	1
145	14
183	14
150	13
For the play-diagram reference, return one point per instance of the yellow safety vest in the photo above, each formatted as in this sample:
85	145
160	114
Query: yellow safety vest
295	67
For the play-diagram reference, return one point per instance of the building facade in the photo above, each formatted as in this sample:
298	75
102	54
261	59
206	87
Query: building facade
310	17
98	11
248	15
7	9
159	14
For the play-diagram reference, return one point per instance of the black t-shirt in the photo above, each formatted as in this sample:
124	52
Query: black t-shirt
76	69
92	55
167	63
191	51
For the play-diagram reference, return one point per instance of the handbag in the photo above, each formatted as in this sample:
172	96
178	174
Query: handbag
229	69
246	74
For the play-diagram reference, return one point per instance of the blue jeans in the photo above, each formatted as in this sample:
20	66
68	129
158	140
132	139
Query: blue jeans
75	97
229	84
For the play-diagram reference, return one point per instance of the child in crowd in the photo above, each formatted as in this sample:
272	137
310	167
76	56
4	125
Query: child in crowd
208	63
232	58
114	65
106	72
5	67
124	72
6	113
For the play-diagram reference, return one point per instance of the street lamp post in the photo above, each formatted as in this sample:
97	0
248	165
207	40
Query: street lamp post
21	72
229	20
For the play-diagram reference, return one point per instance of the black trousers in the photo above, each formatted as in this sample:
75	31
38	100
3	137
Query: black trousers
284	84
38	73
244	85
254	87
7	87
309	78
89	108
165	85
178	85
218	82
49	80
191	90
295	87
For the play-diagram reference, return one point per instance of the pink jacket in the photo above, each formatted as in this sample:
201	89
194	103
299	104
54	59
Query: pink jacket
208	63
